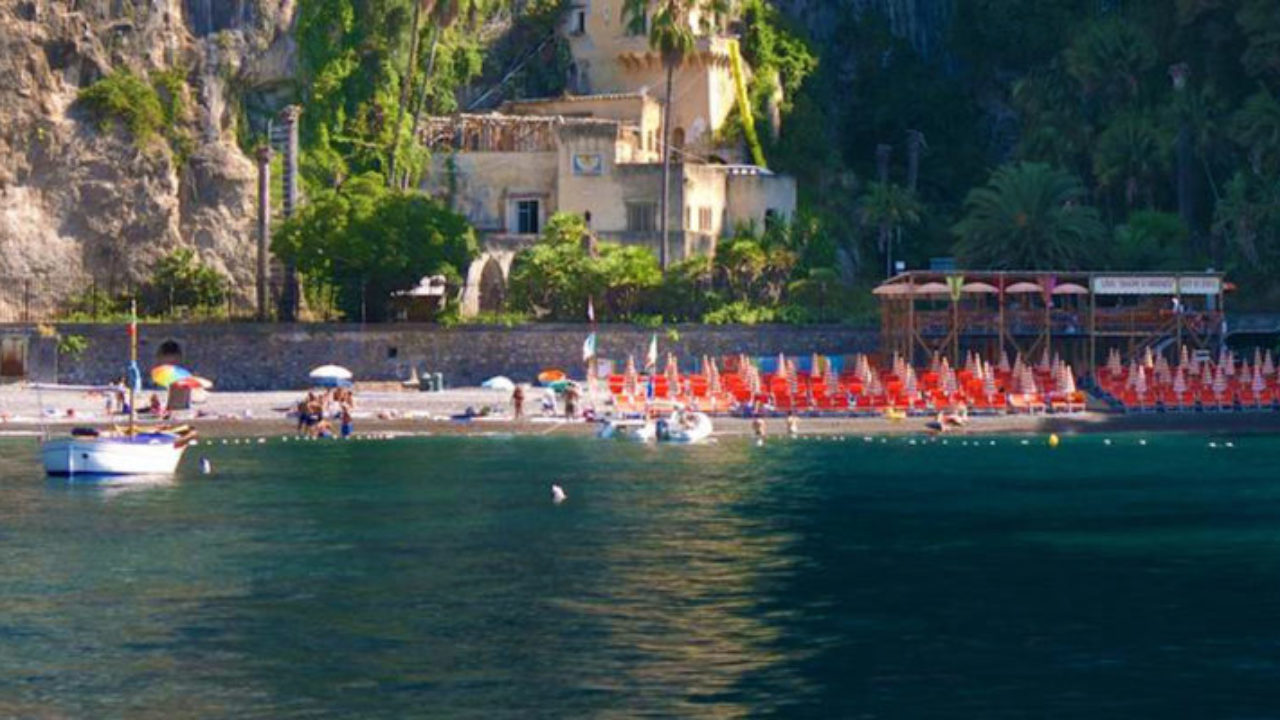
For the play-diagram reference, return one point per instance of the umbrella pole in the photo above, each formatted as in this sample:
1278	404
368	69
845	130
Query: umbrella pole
135	377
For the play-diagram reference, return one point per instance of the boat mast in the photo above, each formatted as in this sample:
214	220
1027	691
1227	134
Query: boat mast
134	376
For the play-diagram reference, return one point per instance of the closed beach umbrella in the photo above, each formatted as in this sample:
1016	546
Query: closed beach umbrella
793	379
1069	380
630	379
833	383
1231	363
1140	381
815	366
1268	364
1246	374
1179	382
1257	357
1183	357
1220	381
1259	383
989	385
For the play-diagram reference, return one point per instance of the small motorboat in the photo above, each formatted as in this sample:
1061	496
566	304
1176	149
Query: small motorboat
638	430
684	426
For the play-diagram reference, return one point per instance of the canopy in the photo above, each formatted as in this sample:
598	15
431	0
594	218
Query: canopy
499	382
1070	289
933	288
1023	287
894	289
979	287
330	376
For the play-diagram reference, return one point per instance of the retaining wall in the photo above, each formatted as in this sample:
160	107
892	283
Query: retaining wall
276	356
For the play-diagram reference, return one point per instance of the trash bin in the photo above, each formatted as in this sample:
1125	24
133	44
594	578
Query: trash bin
439	382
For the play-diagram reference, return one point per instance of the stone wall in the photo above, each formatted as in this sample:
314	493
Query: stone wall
256	357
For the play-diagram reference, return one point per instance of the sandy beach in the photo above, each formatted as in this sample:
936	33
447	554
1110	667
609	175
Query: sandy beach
24	411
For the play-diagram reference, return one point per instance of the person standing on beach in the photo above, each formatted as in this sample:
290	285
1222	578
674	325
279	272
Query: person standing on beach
517	402
793	424
570	401
757	428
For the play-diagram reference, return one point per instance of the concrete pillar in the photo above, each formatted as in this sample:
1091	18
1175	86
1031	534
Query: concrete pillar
264	228
289	292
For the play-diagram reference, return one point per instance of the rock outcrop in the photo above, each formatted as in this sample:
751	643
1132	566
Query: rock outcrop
80	204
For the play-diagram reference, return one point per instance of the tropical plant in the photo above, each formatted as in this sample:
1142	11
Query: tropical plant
1256	127
1151	240
1109	59
888	208
1029	216
671	34
1132	155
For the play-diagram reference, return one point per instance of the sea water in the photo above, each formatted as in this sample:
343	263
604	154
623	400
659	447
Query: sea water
816	577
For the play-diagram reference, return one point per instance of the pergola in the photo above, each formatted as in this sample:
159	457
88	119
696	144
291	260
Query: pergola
1074	314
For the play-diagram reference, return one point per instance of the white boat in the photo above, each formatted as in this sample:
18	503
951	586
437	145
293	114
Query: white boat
636	430
144	453
683	426
130	451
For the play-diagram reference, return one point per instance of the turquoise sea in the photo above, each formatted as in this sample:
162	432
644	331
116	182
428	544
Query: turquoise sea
434	577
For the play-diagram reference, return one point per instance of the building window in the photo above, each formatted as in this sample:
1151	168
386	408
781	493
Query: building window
527	217
579	22
641	217
704	219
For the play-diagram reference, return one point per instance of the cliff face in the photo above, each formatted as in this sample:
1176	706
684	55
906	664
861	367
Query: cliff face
77	202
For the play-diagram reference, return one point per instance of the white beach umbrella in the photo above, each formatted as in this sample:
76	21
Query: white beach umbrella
1220	381
330	375
1259	383
1004	361
1268	364
1179	382
499	382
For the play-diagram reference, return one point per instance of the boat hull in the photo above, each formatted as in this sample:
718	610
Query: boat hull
140	455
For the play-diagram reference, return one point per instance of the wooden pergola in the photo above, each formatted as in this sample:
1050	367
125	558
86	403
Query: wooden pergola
1073	314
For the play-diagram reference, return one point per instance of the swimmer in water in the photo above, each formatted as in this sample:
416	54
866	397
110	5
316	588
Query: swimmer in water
793	424
758	428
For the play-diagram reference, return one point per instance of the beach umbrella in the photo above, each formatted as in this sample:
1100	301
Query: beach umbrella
1045	361
815	366
1231	363
1257	357
714	385
1114	364
1027	382
330	376
499	382
989	385
793	379
193	382
1179	382
909	385
1140	381
1220	381
166	375
1184	357
833	383
1148	359
1068	385
630	379
1268	364
1259	383
1246	373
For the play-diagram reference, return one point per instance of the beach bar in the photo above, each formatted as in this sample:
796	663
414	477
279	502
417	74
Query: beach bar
1081	317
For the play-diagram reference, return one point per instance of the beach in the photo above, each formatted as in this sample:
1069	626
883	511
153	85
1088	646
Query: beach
380	410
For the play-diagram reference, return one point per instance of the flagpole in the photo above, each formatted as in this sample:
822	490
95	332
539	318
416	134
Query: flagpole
134	373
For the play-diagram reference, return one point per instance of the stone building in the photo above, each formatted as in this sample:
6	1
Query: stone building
596	151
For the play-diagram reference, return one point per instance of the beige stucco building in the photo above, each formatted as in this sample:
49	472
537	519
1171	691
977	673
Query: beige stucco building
598	152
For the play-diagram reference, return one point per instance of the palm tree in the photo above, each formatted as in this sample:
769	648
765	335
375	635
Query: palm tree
1029	217
1256	127
1132	153
888	207
671	34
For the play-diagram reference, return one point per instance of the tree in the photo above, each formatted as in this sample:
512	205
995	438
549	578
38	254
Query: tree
179	283
1256	127
1132	154
362	242
557	277
1029	217
888	207
671	34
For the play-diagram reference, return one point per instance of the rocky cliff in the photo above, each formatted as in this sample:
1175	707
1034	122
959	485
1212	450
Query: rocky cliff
80	202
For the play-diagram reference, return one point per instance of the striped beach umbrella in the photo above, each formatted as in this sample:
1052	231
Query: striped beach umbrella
1140	381
989	384
1268	364
1179	382
1184	356
1259	383
1004	361
1068	380
630	378
833	383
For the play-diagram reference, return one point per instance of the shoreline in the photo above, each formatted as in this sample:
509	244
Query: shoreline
383	411
1089	423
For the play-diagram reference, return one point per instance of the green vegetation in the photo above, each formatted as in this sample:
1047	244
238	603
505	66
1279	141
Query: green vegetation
781	275
128	100
72	345
147	108
180	285
360	242
1132	135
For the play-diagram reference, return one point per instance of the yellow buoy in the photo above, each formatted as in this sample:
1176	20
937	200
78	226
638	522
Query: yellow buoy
1053	440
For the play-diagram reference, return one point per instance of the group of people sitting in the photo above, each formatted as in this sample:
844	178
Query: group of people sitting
944	421
317	412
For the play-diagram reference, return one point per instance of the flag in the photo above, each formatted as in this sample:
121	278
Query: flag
591	311
589	347
651	358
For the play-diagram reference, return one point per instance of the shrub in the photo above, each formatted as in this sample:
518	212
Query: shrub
127	99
